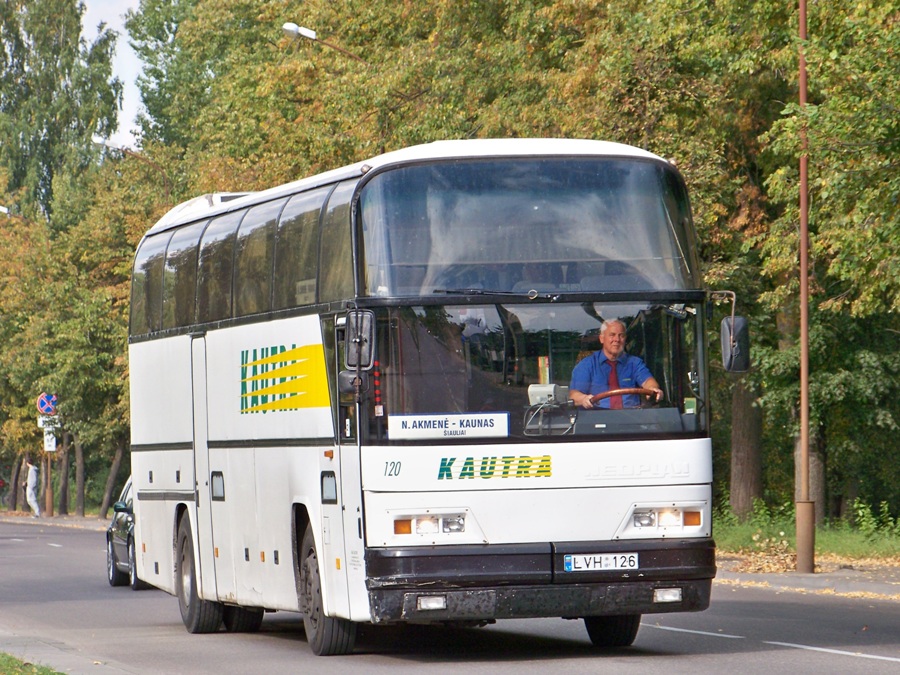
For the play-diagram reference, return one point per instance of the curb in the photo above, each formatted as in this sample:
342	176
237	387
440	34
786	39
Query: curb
74	522
841	582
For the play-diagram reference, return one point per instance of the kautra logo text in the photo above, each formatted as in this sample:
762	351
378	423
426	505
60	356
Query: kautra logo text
282	378
523	466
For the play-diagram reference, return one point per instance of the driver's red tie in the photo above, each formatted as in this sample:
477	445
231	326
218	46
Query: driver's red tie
615	402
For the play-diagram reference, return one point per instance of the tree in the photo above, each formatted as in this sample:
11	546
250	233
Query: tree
57	91
853	135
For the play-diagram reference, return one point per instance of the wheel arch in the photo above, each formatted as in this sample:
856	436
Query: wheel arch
300	521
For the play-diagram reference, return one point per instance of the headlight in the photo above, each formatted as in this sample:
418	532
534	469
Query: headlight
427	525
644	518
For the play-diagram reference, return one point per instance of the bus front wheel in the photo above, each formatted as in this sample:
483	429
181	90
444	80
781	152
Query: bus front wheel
199	616
612	631
327	636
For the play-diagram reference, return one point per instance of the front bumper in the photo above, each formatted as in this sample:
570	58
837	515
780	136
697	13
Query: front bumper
527	580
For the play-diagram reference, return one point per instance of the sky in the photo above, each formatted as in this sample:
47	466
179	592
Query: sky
126	65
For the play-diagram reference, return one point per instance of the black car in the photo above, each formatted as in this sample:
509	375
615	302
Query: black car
120	553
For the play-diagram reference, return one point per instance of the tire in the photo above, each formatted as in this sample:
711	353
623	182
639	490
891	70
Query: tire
327	636
199	616
114	575
133	580
242	619
612	631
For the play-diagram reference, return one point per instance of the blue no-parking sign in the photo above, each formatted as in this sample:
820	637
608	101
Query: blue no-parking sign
46	404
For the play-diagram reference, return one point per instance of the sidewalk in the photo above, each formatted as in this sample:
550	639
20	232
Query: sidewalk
864	579
870	581
85	523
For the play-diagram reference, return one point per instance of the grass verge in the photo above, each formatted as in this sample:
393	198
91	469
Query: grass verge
10	665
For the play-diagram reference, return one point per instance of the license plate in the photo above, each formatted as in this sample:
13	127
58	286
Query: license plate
594	562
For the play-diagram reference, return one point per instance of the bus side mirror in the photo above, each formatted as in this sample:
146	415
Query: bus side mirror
735	344
349	382
359	346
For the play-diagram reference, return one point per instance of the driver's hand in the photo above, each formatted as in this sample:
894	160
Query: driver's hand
659	393
586	403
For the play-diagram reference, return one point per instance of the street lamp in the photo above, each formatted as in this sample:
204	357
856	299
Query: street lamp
294	31
167	182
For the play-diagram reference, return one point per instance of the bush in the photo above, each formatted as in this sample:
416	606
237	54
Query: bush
771	532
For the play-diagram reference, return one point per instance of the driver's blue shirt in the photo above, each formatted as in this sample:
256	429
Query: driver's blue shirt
591	376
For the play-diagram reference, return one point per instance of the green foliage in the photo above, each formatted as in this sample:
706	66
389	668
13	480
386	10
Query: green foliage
57	91
771	533
13	666
874	524
854	139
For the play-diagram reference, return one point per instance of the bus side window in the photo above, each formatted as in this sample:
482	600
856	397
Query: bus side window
297	250
336	270
180	283
147	285
215	264
253	259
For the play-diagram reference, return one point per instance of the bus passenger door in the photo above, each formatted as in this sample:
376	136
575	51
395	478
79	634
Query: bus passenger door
205	558
351	493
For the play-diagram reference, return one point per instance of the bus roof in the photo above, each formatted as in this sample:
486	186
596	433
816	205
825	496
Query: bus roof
214	204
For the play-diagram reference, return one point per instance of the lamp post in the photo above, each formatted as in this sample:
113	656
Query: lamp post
167	182
806	511
294	32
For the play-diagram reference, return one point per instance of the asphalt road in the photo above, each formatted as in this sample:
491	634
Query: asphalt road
57	609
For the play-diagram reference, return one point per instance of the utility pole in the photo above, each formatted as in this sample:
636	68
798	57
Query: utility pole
806	509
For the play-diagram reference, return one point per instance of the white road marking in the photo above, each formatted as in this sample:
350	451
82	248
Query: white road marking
840	652
695	632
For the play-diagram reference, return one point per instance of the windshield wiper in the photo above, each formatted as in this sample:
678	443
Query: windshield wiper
474	291
531	295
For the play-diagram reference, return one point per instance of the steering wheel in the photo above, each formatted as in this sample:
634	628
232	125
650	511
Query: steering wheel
640	391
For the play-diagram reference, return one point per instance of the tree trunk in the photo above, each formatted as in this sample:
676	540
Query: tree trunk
63	451
14	487
848	499
816	475
79	477
111	481
746	449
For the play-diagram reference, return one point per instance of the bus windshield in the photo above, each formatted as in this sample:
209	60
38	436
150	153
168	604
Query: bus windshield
502	371
515	225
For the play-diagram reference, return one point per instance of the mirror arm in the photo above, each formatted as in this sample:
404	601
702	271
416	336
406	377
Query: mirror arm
731	297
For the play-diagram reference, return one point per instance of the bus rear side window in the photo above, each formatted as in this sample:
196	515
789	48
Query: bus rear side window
215	268
180	284
253	260
296	250
146	286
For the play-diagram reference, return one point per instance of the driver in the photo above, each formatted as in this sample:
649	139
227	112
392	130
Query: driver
611	368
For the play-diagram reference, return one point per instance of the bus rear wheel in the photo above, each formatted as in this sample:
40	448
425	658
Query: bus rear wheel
327	636
612	631
242	619
199	616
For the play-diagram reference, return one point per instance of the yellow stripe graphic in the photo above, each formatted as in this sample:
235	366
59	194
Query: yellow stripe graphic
298	381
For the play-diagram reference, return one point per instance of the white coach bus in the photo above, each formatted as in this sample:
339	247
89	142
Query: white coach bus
349	395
